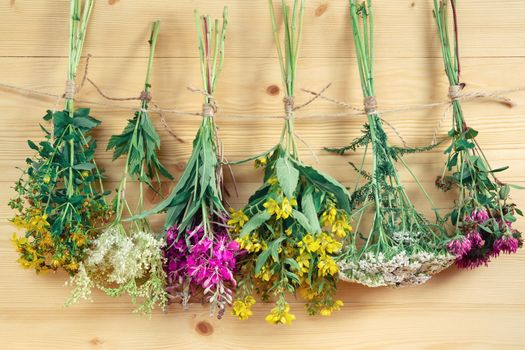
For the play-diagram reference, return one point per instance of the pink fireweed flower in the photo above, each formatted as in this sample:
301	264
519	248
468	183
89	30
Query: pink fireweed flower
197	264
459	246
505	244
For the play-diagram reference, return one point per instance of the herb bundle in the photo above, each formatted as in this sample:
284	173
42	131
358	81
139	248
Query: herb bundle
128	258
483	215
402	247
291	228
60	201
200	255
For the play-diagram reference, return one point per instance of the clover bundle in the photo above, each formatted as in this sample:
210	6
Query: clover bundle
483	215
402	247
291	228
60	200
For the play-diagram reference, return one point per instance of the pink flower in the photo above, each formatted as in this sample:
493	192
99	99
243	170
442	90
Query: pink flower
470	262
459	246
478	216
475	239
505	244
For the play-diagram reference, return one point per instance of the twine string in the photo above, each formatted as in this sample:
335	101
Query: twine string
370	105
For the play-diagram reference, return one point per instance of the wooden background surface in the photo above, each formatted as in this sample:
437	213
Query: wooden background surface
482	309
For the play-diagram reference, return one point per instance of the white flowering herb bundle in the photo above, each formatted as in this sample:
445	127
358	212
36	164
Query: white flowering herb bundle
60	201
483	214
127	257
401	247
290	230
200	255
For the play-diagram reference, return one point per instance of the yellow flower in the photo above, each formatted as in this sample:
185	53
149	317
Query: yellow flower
72	266
288	231
328	244
287	207
79	239
242	308
327	266
261	162
46	240
250	244
85	173
273	180
307	293
328	216
273	207
304	263
265	274
237	220
310	243
280	315
341	227
46	179
327	310
337	305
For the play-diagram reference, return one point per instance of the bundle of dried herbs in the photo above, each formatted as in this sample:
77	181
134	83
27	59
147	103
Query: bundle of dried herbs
127	256
483	214
60	201
291	228
401	247
199	253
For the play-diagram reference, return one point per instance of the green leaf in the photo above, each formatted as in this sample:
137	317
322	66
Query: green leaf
292	263
32	145
85	122
326	183
499	169
303	220
275	245
308	206
84	166
287	176
261	260
518	187
255	222
471	133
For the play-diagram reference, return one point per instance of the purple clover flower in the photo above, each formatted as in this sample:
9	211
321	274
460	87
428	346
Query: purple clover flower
459	246
505	244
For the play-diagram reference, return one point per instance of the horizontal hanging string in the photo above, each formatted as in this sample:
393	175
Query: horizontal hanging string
467	97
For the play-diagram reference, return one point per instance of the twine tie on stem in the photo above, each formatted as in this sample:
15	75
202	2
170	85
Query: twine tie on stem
70	91
454	92
209	109
289	103
370	105
145	96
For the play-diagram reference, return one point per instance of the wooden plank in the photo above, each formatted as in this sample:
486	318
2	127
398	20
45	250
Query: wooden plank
120	28
480	309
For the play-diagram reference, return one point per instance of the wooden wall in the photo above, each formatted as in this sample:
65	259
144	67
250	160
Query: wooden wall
482	309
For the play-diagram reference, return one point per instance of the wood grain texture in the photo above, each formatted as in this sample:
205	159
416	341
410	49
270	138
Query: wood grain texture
481	309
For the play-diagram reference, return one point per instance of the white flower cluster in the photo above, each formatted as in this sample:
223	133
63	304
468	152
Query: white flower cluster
376	270
406	238
121	258
134	263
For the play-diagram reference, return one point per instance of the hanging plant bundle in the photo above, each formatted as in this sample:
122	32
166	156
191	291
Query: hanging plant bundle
60	201
291	228
200	256
402	247
483	215
127	256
